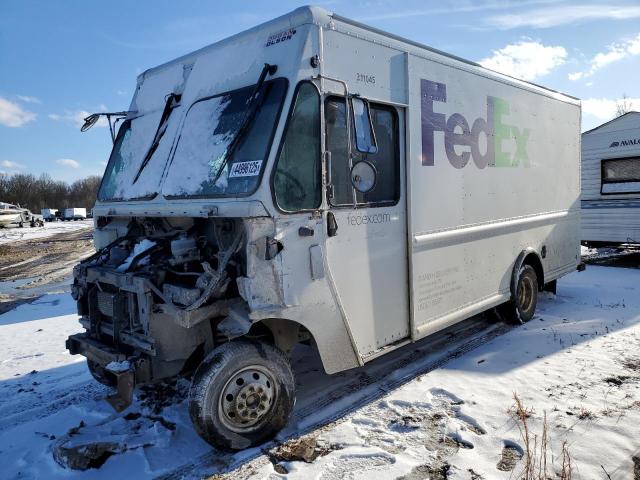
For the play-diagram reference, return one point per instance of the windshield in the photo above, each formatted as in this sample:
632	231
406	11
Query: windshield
210	126
132	145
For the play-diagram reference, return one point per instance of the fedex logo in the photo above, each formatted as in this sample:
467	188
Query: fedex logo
459	133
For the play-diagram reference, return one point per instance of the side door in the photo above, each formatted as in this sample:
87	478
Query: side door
366	244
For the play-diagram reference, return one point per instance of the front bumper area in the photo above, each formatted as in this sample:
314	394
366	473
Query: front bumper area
138	370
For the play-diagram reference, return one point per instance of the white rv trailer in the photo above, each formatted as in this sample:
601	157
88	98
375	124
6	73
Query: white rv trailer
315	179
611	182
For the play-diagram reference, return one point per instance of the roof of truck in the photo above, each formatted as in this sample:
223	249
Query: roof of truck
320	16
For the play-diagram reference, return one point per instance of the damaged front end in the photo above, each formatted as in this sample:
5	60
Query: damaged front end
150	301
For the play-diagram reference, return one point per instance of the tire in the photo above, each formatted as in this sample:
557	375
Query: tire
229	378
522	307
101	375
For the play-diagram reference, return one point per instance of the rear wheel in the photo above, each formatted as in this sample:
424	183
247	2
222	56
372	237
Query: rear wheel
101	375
522	306
241	394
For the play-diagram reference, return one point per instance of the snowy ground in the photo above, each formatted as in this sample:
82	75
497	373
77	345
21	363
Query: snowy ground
14	233
436	409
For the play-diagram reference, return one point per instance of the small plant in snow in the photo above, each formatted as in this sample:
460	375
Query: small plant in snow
537	449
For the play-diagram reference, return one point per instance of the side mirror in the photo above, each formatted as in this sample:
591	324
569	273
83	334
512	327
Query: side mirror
90	121
365	136
363	176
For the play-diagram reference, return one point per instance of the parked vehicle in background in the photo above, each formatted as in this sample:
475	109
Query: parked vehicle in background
49	214
611	182
16	215
75	214
317	180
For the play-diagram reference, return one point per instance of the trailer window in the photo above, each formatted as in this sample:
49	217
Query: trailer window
621	175
297	180
386	160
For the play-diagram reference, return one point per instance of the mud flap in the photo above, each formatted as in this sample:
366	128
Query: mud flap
124	396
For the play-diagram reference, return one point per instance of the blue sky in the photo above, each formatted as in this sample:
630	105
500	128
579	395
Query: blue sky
62	59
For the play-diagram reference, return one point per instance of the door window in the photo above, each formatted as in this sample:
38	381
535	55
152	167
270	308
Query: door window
297	181
386	160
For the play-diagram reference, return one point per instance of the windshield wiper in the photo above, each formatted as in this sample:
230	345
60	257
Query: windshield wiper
251	113
173	100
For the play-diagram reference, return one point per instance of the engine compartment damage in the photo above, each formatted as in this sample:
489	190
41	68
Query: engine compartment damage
166	291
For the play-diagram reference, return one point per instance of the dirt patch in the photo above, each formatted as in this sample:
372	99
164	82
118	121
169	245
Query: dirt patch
29	266
304	449
41	256
511	455
439	471
632	364
87	447
617	380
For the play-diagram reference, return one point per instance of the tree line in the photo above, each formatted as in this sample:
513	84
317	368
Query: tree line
36	193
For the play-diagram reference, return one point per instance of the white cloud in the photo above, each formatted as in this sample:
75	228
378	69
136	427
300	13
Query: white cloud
29	99
452	7
12	114
614	53
562	15
11	165
68	162
605	108
77	117
526	59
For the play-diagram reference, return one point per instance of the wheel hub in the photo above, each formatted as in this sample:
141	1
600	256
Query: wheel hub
247	398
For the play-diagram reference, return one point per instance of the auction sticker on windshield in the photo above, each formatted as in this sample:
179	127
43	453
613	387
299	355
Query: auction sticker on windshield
245	169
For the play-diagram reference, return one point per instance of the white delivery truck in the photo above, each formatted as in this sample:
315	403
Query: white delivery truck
316	180
49	214
611	182
75	214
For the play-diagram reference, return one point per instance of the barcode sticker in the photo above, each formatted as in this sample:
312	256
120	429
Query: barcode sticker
245	169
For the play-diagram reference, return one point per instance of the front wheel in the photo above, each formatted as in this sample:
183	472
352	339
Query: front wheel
522	307
242	394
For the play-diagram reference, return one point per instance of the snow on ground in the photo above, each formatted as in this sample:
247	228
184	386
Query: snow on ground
577	361
14	233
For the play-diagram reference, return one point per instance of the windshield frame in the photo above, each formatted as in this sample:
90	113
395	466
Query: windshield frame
268	146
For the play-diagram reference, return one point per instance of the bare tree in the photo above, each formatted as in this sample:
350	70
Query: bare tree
35	193
623	106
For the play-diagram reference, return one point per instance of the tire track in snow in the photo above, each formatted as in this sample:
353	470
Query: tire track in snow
364	386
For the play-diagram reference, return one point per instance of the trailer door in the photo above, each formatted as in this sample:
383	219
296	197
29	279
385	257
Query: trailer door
366	232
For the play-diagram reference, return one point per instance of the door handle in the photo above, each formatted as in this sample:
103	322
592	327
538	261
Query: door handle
332	225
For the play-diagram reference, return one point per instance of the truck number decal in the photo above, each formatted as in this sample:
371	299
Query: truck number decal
245	169
364	78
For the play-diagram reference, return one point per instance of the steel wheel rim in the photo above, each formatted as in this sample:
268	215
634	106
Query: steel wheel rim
247	399
525	294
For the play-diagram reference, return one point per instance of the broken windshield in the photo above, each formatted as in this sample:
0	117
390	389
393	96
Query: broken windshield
133	143
208	131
